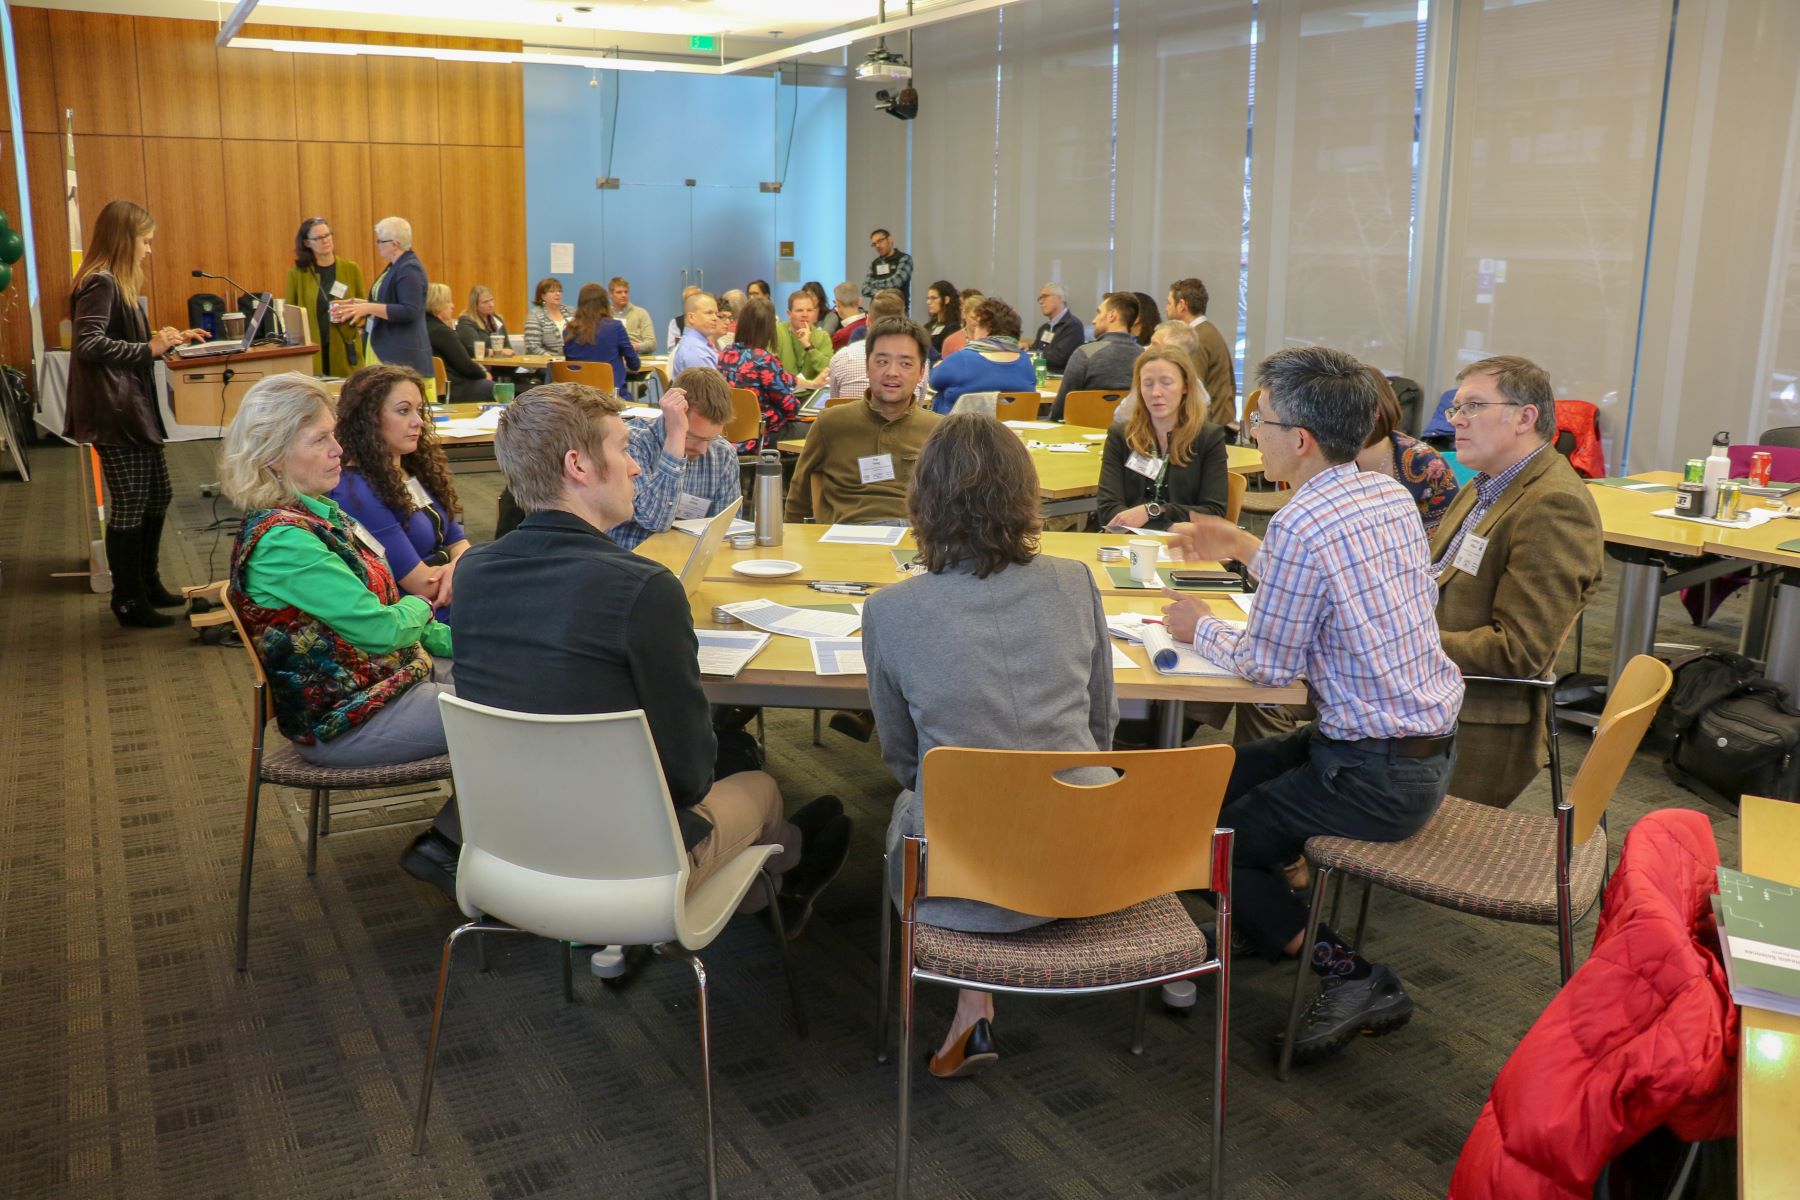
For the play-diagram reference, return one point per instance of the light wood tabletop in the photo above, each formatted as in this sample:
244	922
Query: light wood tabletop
870	564
1761	544
1769	1063
787	661
1626	520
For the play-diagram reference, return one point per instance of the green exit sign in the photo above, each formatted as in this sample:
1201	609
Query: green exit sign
697	42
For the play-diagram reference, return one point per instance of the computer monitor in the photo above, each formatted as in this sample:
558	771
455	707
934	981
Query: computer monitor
693	572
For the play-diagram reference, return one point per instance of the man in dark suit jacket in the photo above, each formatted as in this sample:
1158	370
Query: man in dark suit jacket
1061	334
555	617
1187	302
1517	557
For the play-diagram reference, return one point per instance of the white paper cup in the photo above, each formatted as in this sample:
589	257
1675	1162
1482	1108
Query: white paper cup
1142	553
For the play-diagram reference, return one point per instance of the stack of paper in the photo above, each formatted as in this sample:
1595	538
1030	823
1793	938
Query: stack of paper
1130	626
1171	657
1031	425
696	526
724	652
1759	923
838	656
865	535
794	622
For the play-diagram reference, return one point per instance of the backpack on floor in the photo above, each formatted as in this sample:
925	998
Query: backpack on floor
1735	731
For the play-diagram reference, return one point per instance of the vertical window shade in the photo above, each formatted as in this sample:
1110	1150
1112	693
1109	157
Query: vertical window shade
1553	153
953	155
1183	108
1781	388
1333	177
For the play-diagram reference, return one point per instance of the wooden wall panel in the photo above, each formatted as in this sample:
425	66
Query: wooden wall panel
262	181
484	227
15	302
405	182
178	78
403	100
37	74
481	104
333	87
50	222
186	182
256	95
95	58
334	184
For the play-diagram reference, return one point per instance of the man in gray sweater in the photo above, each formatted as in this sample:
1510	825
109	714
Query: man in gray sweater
1106	361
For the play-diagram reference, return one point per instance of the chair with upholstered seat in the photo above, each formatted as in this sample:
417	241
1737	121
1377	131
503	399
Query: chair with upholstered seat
569	834
1106	860
281	765
1501	863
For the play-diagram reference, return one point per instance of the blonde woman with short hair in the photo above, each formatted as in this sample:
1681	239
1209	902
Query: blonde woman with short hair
394	313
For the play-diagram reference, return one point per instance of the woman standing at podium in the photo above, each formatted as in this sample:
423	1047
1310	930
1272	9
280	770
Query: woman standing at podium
113	404
318	277
395	309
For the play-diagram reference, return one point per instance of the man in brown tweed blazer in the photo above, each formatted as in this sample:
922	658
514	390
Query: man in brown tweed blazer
1517	557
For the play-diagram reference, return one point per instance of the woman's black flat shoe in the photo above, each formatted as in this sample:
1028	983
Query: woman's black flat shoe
973	1052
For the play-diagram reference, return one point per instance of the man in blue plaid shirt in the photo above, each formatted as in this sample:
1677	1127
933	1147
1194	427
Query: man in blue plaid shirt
1347	601
688	469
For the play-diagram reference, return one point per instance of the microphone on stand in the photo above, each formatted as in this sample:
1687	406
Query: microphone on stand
243	293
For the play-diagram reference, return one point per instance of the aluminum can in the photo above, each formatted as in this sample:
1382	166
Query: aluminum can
1761	463
1696	470
1728	503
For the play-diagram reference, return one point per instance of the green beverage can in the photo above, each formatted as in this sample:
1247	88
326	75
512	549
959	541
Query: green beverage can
1696	471
1043	370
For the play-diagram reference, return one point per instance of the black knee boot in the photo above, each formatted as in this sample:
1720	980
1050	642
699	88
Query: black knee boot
154	591
124	554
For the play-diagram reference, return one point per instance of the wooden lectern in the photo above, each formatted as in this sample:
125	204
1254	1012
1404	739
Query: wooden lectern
206	391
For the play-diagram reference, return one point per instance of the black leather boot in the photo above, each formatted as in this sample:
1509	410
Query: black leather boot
124	554
154	591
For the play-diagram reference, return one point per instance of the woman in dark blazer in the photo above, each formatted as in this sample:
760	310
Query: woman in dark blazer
479	322
592	335
1165	463
112	403
467	380
395	310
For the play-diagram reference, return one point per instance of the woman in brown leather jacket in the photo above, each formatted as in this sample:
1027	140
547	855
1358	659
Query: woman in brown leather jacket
112	403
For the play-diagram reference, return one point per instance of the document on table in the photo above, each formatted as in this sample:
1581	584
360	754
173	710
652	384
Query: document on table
1060	447
1171	657
794	622
1093	437
1031	425
725	652
1243	600
1752	518
865	535
1121	661
639	412
696	526
838	656
1149	533
1130	626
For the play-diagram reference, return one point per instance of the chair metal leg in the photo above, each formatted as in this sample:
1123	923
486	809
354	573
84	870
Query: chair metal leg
787	959
325	814
1139	1007
437	1022
816	741
1303	971
312	833
1578	632
762	737
481	958
566	951
248	860
883	971
1362	915
675	951
1221	1047
903	1140
1337	900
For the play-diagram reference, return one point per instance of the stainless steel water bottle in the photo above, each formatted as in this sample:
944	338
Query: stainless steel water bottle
769	500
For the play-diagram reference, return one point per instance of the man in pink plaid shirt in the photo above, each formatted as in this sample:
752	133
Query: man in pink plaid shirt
1345	600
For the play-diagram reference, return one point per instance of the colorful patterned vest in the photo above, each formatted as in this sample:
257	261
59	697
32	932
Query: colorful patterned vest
321	685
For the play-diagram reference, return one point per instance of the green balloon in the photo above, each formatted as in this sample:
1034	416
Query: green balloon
5	277
12	246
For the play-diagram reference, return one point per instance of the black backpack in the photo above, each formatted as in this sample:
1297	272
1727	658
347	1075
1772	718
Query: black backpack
1735	732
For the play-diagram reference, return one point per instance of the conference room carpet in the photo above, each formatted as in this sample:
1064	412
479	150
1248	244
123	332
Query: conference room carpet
138	1063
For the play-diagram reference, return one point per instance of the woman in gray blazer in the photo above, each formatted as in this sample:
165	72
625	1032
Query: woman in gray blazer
995	646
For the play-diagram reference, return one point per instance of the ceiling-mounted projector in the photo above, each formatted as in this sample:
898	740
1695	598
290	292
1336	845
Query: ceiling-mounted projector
883	67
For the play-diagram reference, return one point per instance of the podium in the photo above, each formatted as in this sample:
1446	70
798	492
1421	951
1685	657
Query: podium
206	391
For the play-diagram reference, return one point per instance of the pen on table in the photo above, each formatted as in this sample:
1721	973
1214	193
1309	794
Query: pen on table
842	589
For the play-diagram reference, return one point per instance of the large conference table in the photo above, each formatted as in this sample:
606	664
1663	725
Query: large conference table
1769	1062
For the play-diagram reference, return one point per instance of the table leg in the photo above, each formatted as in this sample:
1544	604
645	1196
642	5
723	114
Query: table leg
1754	641
1634	622
1783	664
1168	723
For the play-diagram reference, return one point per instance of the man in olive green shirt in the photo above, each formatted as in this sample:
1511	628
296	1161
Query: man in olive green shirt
804	348
863	453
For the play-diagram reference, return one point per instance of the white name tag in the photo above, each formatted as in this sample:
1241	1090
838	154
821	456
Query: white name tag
687	507
881	268
876	467
1144	465
369	541
339	291
417	493
1468	557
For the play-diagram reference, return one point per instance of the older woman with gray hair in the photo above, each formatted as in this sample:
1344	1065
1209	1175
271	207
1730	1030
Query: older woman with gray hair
394	313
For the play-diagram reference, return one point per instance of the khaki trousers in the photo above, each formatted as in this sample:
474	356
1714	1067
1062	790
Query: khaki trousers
745	811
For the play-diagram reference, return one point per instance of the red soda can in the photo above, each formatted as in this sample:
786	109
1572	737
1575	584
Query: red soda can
1760	465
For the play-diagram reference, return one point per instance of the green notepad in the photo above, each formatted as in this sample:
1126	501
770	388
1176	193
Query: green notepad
1793	545
904	558
1120	574
1761	920
1627	484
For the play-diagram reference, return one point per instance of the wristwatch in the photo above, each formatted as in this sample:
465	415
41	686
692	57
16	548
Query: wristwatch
1153	510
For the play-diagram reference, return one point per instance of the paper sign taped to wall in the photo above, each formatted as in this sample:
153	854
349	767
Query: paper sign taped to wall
562	258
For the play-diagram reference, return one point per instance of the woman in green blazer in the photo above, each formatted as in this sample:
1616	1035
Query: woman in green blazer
318	277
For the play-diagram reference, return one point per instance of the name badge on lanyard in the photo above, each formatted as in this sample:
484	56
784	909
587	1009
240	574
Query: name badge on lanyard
1469	555
876	467
689	506
1150	468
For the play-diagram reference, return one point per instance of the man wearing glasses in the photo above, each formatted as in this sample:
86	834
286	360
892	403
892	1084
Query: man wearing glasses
1346	601
1516	558
891	268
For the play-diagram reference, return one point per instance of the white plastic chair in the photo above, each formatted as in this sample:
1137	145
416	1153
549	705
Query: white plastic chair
568	833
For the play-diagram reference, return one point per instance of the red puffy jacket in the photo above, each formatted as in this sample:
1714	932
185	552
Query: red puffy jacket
1581	420
1643	1035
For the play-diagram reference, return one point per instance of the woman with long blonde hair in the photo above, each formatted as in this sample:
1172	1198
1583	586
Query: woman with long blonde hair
112	403
1165	462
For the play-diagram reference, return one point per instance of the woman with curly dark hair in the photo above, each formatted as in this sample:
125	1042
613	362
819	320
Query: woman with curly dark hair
1148	318
396	481
995	646
943	305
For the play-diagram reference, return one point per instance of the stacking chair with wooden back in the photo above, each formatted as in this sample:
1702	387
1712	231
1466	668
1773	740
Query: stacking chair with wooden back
1235	487
1093	408
1017	406
1105	861
594	374
569	834
834	401
746	423
280	764
1499	862
440	379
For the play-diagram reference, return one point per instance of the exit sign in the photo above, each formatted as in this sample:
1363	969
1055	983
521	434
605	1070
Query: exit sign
698	42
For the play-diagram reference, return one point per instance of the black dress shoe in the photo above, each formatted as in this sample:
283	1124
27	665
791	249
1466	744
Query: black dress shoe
812	816
969	1055
822	855
852	724
432	859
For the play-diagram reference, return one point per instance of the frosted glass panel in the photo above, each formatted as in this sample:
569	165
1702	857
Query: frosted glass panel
953	203
1554	149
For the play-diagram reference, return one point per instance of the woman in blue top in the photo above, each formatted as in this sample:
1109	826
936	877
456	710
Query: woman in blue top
592	335
396	481
990	361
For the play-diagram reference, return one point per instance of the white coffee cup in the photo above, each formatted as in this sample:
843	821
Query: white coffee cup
1142	553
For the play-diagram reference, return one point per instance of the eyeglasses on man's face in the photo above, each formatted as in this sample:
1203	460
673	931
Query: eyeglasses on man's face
1468	408
1257	421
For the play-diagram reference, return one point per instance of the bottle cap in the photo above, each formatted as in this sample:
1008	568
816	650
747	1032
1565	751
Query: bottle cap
1722	438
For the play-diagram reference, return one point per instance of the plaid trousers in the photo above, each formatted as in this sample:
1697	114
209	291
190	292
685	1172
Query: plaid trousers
137	483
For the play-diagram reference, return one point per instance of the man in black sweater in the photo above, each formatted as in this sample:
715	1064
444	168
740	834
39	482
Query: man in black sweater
557	618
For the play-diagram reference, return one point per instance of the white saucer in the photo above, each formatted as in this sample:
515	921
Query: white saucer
766	568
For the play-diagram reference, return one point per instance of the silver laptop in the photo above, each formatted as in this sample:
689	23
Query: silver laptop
229	345
693	572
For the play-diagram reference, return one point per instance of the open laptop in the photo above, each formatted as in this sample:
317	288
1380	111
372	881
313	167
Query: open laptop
228	345
701	557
